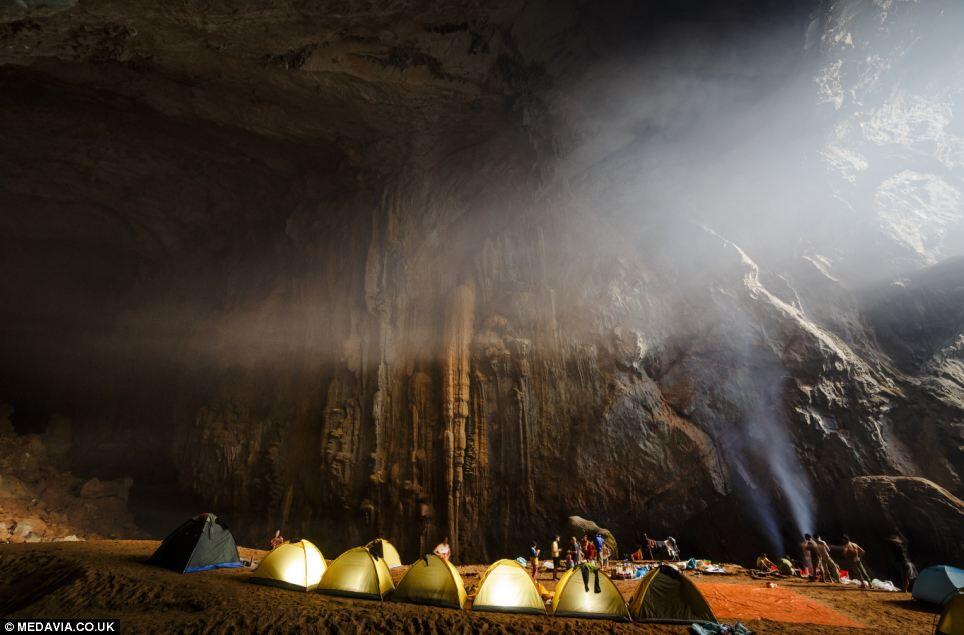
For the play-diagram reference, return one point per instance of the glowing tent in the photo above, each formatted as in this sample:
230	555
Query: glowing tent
432	580
506	587
293	565
576	595
357	573
666	595
952	617
382	548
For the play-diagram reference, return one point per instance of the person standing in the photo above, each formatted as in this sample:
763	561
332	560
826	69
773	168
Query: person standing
442	549
556	552
534	552
805	553
576	549
830	566
904	569
600	541
853	553
604	553
589	549
816	557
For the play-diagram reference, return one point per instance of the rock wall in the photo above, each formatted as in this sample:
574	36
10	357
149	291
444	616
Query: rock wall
470	270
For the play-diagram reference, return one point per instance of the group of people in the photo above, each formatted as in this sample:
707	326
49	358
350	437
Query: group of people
817	564
593	550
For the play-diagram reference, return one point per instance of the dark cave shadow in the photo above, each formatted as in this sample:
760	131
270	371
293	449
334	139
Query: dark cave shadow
913	605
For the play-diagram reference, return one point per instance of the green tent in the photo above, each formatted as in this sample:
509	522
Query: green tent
204	542
666	595
936	584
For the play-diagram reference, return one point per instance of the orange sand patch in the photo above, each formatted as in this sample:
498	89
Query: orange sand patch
758	602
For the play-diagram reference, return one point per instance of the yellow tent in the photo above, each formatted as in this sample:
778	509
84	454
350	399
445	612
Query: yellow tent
432	580
293	565
507	587
357	573
388	551
666	595
576	595
952	616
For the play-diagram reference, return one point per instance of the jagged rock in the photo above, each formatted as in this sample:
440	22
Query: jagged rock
40	502
29	528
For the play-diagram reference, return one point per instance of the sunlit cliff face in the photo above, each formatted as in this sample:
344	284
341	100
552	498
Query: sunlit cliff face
470	270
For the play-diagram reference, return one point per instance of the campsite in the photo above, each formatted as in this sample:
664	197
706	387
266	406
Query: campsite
113	579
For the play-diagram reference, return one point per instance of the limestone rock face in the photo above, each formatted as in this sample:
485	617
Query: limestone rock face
468	269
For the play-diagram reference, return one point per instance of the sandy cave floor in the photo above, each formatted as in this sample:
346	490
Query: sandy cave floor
109	579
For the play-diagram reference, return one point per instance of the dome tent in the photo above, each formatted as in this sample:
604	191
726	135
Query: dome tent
951	621
383	548
357	573
936	584
506	587
432	580
666	595
203	542
576	595
293	565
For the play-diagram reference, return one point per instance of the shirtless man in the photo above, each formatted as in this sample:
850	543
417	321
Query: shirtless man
829	565
816	557
852	552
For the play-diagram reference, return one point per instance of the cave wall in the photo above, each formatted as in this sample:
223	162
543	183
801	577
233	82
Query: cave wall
438	271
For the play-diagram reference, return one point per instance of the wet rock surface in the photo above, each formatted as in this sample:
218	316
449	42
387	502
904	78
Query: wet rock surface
417	271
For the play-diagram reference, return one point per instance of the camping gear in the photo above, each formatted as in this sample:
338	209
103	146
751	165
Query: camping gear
384	549
666	595
359	574
952	617
432	580
576	598
937	584
203	542
720	629
507	587
292	565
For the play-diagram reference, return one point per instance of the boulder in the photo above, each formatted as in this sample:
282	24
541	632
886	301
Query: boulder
28	529
929	516
578	526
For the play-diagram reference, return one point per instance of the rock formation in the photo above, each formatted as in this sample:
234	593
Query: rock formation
466	269
41	502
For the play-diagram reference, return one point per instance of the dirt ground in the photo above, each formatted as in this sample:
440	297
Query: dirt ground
109	579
